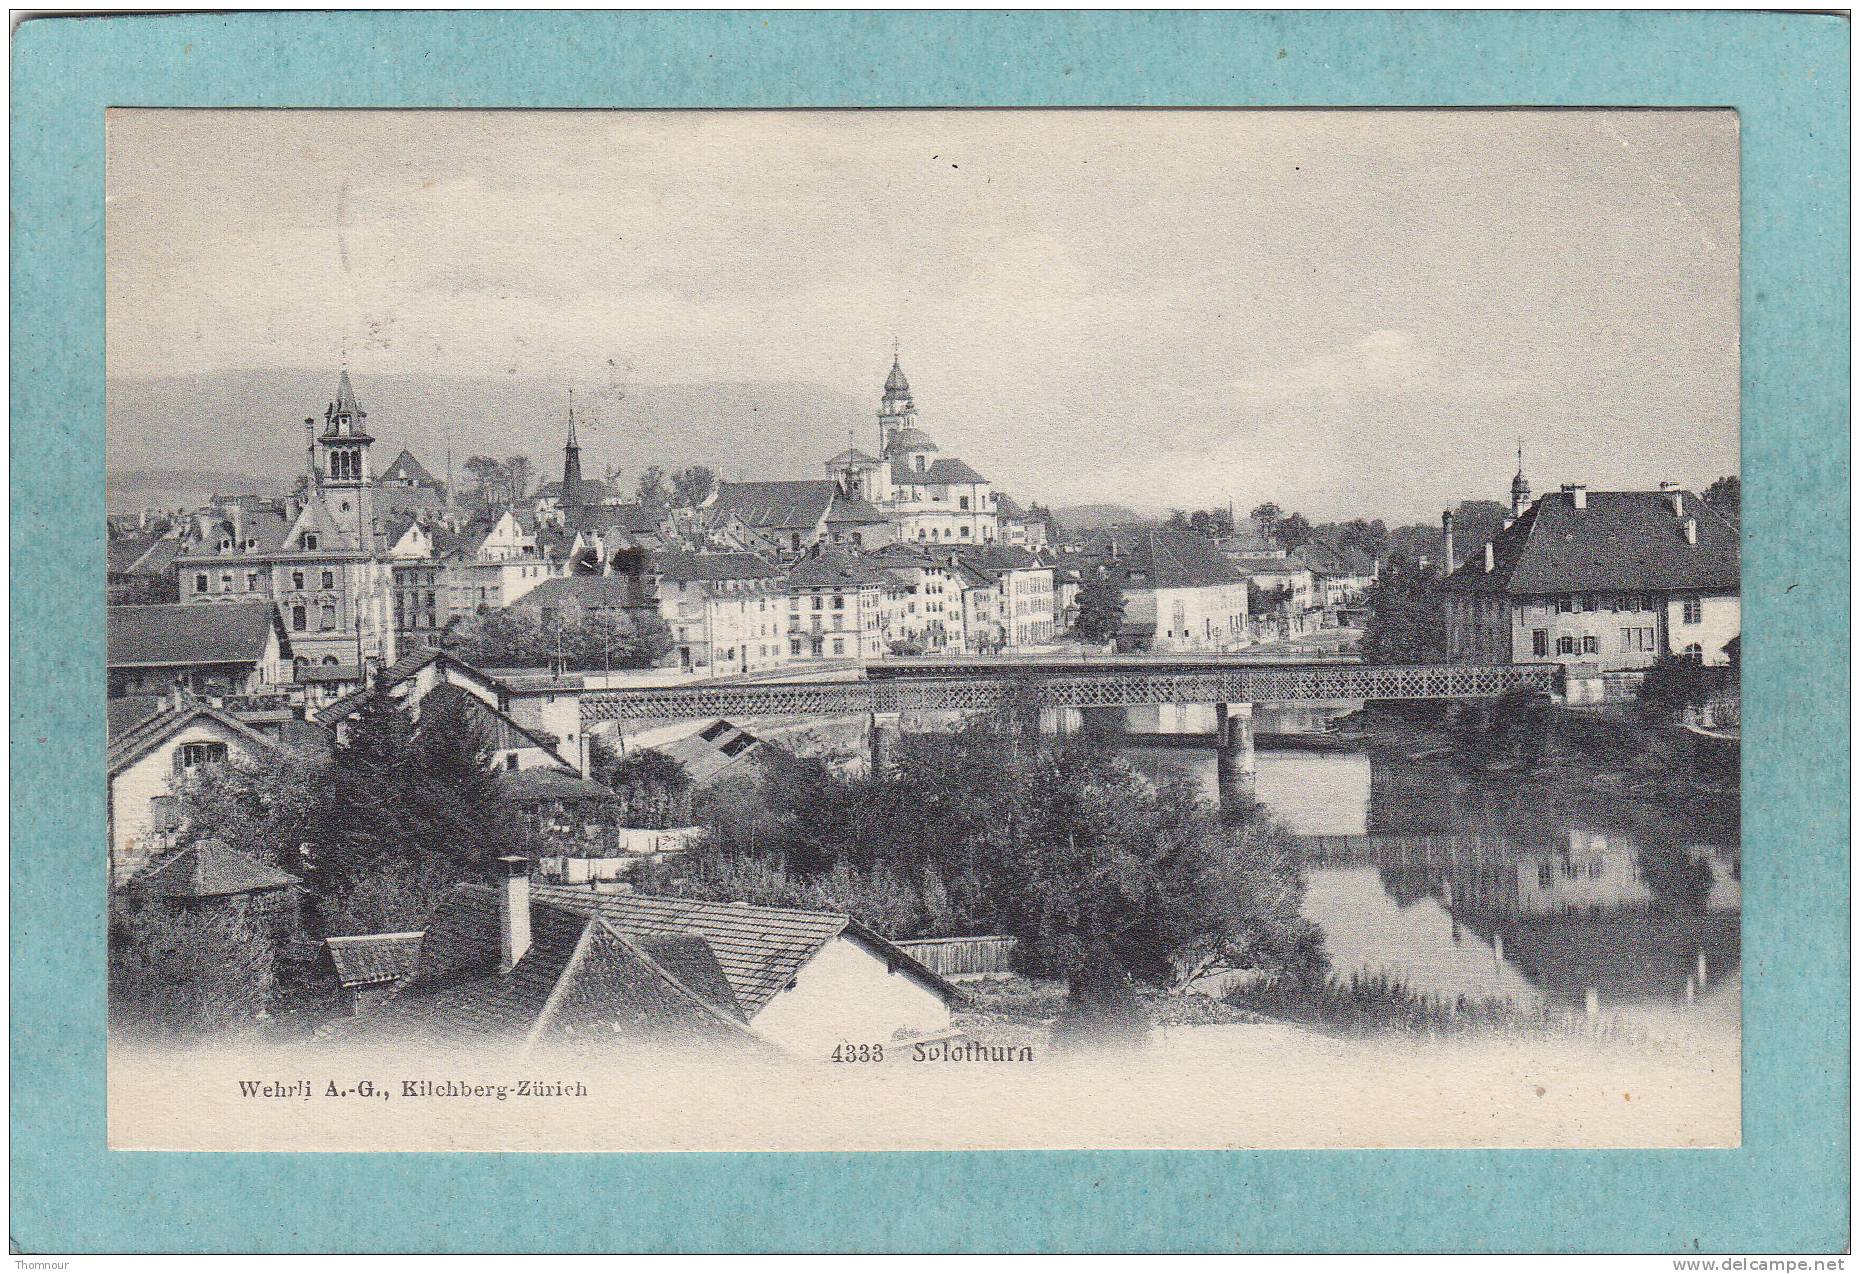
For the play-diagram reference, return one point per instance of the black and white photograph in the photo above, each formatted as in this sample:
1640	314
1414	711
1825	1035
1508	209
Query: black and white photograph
922	629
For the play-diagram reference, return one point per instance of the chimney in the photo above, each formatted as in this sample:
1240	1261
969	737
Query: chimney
1675	500
1446	542
1692	530
1669	486
1578	493
1489	563
515	911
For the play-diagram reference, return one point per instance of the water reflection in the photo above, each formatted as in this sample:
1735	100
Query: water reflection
1538	892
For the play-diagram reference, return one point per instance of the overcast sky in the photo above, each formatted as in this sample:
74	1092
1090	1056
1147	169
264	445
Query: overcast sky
1347	312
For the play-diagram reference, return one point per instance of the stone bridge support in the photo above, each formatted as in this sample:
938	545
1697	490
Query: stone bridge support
883	729
1234	765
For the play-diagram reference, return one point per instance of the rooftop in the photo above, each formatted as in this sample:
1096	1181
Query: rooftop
179	635
1621	541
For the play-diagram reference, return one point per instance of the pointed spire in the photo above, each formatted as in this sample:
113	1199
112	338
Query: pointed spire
571	417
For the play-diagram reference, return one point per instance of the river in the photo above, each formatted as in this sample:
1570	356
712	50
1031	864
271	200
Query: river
1463	886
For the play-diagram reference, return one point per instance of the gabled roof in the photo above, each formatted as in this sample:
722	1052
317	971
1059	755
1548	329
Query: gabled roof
178	635
706	754
833	568
587	491
848	508
580	977
1007	507
791	505
151	732
123	715
633	517
1158	559
760	949
407	469
1623	541
370	959
212	870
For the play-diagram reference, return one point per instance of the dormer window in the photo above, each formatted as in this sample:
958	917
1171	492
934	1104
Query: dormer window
225	544
920	464
310	540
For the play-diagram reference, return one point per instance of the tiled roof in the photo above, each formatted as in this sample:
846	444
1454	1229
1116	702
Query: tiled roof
1252	566
211	870
1623	541
123	715
369	959
634	517
852	509
587	491
137	739
1006	506
794	505
760	949
944	472
677	564
579	978
178	635
1159	559
597	592
832	569
553	785
712	750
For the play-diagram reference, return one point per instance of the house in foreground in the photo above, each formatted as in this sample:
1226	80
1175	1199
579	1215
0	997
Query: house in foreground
521	965
235	648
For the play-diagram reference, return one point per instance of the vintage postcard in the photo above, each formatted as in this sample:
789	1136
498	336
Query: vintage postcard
878	630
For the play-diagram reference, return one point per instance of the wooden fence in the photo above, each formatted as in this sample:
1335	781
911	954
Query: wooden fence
962	957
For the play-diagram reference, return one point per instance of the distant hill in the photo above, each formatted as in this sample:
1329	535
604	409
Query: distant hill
176	440
1089	517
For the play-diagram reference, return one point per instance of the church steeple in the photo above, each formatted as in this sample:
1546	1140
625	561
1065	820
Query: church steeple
1520	487
571	461
896	411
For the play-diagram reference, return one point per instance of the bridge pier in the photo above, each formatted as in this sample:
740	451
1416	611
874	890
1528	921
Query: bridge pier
1234	763
882	731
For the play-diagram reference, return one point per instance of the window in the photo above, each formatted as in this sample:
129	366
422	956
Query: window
1544	875
225	581
818	601
1565	645
1564	605
297	580
200	583
964	503
1540	643
328	618
251	581
1695	653
299	620
1694	610
839	601
163	814
191	756
310	541
329	579
1591	645
839	646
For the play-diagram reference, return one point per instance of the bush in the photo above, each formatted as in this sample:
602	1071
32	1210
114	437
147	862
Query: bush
178	972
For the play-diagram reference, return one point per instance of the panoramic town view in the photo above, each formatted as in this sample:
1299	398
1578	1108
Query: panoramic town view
1358	686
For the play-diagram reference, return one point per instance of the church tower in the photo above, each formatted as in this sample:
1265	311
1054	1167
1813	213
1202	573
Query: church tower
896	411
1520	487
571	466
343	467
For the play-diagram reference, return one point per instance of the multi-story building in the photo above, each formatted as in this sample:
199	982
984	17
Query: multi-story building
835	608
1610	580
320	557
724	610
923	600
1180	591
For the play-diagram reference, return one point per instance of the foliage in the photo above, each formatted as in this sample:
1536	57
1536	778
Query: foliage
580	640
1210	522
497	484
654	490
906	646
186	971
1100	605
1366	536
1474	523
1407	624
1267	515
1103	877
1380	1003
398	899
654	788
1726	495
264	806
1292	531
692	485
1675	683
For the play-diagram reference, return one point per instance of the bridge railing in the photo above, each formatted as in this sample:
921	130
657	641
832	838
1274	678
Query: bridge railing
1114	688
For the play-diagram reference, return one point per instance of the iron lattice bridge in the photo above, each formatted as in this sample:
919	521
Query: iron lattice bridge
1125	687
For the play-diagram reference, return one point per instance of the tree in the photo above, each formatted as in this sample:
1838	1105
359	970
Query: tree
1176	521
523	636
1214	522
655	788
176	971
1474	523
653	490
692	485
489	488
1100	605
1725	496
1407	623
517	475
1267	516
1293	531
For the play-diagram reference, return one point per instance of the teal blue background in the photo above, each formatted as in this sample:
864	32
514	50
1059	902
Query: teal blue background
1786	1189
